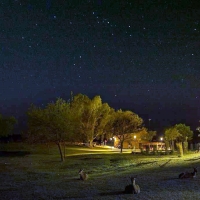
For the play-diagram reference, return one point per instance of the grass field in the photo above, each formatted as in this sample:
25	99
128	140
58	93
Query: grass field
35	172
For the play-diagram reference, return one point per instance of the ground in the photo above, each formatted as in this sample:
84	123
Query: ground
37	173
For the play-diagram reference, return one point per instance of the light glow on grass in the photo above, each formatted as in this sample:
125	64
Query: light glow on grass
43	175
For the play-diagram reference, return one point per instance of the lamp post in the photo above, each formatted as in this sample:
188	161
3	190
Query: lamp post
149	123
113	142
198	127
134	140
161	139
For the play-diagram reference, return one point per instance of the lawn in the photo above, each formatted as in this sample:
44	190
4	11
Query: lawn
35	172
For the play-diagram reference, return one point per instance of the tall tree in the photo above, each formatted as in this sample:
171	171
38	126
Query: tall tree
185	134
148	135
6	125
124	124
104	123
171	134
185	131
52	124
94	115
142	134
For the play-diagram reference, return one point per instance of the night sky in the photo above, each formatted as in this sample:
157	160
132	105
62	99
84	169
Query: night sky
137	55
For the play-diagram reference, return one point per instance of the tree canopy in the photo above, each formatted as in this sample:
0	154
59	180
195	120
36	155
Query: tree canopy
185	132
171	134
52	124
125	123
148	135
94	116
179	133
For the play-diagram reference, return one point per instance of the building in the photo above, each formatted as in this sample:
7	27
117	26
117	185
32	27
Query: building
136	143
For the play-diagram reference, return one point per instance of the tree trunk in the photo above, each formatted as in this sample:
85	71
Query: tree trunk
64	149
91	143
61	153
121	146
180	148
166	145
185	147
172	145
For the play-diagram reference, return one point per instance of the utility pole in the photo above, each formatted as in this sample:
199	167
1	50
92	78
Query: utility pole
149	123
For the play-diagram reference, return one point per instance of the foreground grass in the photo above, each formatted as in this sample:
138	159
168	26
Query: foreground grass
35	172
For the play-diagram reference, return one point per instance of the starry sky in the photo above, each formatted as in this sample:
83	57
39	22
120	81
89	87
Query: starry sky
137	55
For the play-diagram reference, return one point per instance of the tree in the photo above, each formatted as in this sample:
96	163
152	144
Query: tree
6	125
94	115
185	131
171	134
185	135
148	135
104	124
54	123
141	134
125	123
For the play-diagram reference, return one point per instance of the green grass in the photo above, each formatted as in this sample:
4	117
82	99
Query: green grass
35	172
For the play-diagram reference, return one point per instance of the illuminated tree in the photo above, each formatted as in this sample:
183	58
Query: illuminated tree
141	134
124	124
181	133
149	135
171	134
104	124
185	131
94	116
185	135
55	123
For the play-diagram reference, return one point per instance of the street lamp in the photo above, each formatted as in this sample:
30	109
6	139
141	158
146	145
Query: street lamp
161	139
114	142
134	140
149	123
